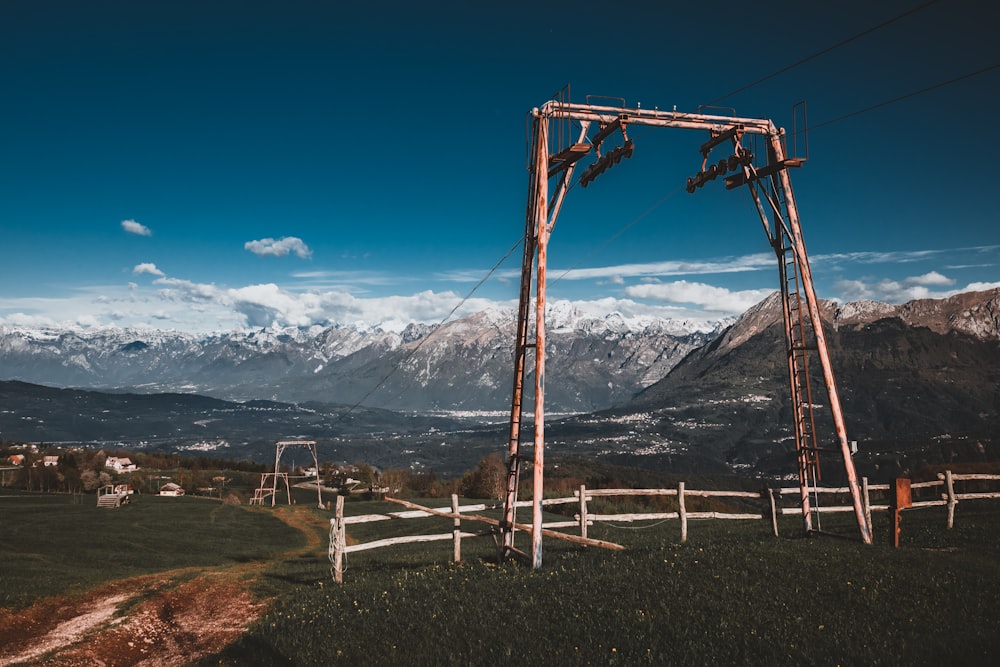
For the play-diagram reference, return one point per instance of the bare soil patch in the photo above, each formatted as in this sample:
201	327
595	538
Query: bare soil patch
170	618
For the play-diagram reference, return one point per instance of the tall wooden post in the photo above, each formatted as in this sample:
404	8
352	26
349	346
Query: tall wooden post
542	240
339	539
812	303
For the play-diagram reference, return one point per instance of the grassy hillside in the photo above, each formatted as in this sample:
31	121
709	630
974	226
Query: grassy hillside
57	543
733	594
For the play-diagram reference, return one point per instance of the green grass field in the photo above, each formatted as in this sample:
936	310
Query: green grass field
733	594
54	544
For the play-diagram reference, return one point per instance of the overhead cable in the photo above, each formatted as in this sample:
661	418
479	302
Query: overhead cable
423	340
822	52
900	98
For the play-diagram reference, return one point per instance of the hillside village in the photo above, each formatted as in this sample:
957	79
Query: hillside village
78	470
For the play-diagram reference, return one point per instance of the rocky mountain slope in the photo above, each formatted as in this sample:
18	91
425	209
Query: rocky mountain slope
919	383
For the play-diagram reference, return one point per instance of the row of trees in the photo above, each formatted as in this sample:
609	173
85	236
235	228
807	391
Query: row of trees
488	480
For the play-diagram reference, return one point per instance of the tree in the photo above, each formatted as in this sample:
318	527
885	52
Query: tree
488	480
394	481
90	480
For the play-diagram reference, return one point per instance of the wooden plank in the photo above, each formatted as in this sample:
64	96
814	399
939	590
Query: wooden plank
412	514
929	503
570	155
957	476
826	489
407	539
651	516
368	518
595	493
519	526
723	494
824	510
659	516
545	502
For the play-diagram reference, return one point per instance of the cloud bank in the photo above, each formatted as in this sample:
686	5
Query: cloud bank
708	297
372	298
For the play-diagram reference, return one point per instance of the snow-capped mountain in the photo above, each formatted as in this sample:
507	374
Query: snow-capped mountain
464	364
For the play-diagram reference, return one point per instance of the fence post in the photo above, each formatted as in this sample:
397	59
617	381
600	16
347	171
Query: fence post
583	510
774	511
457	529
902	498
952	501
682	512
866	498
339	538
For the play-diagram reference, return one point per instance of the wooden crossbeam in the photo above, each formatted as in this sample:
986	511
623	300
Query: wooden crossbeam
520	526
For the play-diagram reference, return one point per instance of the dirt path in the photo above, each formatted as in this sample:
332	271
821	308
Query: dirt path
169	618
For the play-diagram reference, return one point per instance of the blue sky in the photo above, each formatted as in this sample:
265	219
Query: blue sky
209	165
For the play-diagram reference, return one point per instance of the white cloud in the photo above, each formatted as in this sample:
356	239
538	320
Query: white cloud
133	227
931	279
907	289
743	263
177	289
279	247
147	267
616	274
980	287
708	297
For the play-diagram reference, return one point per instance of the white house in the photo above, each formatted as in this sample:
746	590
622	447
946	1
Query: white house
120	464
171	489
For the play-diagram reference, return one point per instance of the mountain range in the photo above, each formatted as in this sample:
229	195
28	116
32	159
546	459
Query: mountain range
465	365
919	382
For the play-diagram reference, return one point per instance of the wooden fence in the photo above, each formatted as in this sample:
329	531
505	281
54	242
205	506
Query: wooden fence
770	500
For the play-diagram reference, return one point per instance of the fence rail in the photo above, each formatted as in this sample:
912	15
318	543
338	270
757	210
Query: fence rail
771	508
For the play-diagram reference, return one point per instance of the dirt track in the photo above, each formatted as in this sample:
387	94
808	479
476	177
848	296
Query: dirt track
170	618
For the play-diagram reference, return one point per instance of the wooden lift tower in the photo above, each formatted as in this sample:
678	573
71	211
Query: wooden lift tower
269	480
604	142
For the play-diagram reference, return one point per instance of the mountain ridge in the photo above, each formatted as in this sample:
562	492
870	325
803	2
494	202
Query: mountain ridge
343	363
